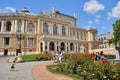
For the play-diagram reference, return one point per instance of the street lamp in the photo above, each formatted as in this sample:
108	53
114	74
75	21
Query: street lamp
19	38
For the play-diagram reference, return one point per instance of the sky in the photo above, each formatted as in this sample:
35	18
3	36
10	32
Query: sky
99	14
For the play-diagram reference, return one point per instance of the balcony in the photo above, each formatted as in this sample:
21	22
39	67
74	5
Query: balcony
56	37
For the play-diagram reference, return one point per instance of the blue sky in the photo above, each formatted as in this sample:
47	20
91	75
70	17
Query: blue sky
100	14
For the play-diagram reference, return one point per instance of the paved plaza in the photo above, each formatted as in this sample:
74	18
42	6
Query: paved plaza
23	71
35	70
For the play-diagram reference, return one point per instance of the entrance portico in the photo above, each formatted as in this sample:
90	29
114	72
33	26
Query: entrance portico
55	46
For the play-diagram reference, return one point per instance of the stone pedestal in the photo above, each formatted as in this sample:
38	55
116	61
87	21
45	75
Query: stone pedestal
19	57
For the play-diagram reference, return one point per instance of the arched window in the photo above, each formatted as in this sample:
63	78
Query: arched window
0	25
63	30
30	28
51	47
8	26
55	29
62	46
45	28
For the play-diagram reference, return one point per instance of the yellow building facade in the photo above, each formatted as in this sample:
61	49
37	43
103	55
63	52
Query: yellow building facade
26	33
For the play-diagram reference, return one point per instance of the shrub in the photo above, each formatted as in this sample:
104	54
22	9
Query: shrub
109	56
34	57
44	57
85	66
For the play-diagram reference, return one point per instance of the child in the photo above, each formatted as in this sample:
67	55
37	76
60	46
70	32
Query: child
12	66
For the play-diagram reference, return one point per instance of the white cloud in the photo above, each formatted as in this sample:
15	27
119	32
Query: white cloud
8	10
93	6
90	22
115	11
11	9
98	16
103	27
97	21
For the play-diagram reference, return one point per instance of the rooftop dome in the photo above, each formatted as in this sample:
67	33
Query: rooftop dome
25	10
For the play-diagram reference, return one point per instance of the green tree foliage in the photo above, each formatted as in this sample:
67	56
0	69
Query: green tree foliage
112	40
116	33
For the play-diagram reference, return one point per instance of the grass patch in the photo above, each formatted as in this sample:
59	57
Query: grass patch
51	69
31	57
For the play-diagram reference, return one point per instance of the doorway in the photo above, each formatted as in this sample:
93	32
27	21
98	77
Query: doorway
5	52
17	51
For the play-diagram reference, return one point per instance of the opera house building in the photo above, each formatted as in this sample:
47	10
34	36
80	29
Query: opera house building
48	32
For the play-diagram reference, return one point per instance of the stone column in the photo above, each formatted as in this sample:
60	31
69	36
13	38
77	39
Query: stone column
59	46
48	46
55	46
50	29
2	29
43	46
15	26
77	47
23	25
74	47
68	47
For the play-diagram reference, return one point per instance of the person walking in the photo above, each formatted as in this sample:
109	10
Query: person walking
12	66
60	57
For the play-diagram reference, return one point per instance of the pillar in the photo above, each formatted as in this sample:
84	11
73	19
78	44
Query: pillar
43	46
68	47
23	25
2	29
77	47
48	46
55	46
59	49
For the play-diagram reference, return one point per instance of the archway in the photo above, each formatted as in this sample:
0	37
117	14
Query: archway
62	47
5	52
51	47
41	47
71	46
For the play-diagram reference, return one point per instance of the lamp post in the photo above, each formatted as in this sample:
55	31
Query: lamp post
19	38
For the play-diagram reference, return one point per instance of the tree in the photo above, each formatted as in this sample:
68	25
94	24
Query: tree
116	34
112	40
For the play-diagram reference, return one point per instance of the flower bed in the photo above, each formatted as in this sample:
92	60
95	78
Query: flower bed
87	68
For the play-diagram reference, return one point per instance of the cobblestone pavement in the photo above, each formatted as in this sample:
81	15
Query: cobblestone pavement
23	71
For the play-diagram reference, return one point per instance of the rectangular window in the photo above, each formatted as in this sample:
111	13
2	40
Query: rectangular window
6	41
30	30
30	41
19	29
77	35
